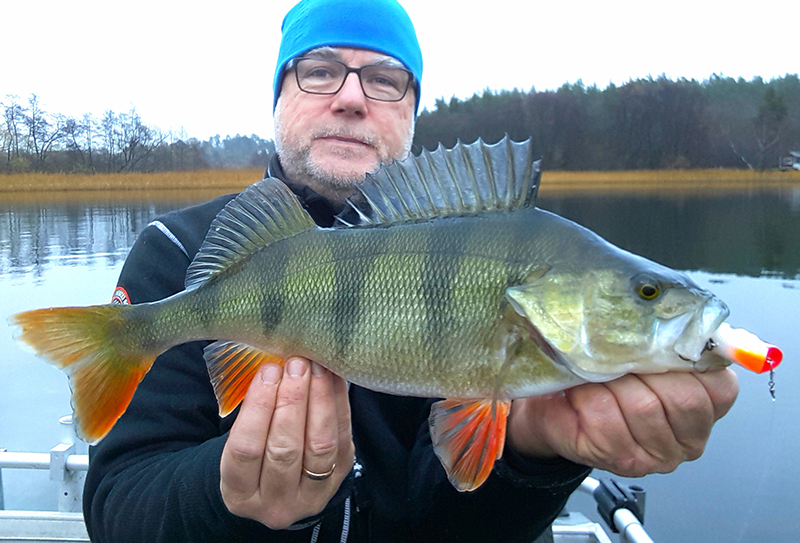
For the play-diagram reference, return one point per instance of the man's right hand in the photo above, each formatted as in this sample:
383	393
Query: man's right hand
292	418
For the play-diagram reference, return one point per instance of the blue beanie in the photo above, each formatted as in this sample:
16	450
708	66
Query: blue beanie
377	25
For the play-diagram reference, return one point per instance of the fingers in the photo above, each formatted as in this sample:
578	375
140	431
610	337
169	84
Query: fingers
640	424
647	411
611	434
722	387
688	410
290	418
322	432
283	457
631	426
243	456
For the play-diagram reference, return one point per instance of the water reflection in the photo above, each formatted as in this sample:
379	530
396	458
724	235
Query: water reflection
747	233
69	230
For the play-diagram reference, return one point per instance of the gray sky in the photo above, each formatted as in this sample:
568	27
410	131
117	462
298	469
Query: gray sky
207	67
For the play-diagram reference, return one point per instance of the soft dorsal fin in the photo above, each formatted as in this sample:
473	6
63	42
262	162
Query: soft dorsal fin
264	213
464	180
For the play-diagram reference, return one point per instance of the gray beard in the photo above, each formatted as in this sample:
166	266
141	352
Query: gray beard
300	168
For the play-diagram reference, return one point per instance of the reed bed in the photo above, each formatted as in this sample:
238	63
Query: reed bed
191	185
184	180
667	180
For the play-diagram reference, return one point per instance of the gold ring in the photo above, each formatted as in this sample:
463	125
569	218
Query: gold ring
319	476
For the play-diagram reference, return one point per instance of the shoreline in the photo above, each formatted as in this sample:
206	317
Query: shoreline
200	185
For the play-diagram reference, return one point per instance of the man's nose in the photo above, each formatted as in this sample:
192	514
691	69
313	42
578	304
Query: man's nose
350	97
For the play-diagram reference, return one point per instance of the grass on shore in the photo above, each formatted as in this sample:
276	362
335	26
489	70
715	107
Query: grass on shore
199	179
213	182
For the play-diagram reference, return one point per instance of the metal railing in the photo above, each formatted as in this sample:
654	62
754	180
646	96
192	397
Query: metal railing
623	506
67	463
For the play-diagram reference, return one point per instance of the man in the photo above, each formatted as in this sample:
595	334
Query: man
282	467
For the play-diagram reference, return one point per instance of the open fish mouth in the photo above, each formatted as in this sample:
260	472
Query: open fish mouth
699	327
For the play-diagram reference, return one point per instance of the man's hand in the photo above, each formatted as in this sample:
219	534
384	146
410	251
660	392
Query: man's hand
291	418
632	426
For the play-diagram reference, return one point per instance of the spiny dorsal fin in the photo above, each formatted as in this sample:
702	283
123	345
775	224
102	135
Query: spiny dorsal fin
264	213
464	180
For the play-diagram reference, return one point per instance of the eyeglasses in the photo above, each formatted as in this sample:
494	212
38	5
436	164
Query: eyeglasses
379	82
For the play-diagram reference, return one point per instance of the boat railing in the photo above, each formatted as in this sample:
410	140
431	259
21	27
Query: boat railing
622	507
67	463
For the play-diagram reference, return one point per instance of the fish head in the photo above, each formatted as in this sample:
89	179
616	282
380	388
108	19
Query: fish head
601	323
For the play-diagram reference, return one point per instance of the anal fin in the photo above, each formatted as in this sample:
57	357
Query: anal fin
232	367
468	436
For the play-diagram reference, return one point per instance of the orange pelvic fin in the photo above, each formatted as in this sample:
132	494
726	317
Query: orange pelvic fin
232	367
468	436
91	345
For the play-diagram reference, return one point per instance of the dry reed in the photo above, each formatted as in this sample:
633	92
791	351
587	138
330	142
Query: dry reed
179	185
188	180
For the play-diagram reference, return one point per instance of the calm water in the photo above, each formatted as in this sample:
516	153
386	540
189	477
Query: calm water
744	246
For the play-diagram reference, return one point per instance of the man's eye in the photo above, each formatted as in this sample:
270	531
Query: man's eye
318	73
383	80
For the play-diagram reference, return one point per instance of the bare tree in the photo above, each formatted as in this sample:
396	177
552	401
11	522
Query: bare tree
13	115
110	136
79	136
137	140
43	130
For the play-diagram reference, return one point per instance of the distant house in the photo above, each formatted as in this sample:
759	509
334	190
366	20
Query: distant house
791	161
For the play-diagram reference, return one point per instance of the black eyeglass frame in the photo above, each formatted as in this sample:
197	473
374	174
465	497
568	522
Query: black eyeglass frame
348	70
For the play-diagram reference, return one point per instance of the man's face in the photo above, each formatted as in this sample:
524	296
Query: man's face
329	142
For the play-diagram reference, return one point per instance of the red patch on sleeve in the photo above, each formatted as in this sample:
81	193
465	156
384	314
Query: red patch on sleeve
120	297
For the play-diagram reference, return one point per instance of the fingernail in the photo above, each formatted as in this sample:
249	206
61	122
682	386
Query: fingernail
296	367
317	369
271	374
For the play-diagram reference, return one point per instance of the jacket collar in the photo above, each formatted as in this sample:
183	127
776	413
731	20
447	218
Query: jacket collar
321	210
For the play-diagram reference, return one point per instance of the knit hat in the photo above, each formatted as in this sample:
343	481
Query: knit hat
377	25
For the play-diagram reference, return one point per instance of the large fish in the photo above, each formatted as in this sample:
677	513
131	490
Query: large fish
453	286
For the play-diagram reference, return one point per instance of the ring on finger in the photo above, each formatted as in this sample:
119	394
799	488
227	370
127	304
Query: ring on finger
319	476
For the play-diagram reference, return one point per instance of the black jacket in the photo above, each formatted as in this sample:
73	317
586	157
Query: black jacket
155	477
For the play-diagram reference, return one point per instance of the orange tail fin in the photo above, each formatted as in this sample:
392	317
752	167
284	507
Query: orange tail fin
468	436
94	346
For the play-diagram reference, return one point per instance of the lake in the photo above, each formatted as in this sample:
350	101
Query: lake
744	245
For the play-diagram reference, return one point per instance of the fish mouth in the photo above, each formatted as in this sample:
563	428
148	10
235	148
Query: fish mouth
699	327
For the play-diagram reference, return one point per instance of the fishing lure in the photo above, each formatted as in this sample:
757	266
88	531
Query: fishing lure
746	349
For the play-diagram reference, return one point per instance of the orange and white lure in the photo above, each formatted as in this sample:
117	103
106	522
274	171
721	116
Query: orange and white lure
745	348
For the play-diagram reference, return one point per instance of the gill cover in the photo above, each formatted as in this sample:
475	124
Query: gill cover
555	306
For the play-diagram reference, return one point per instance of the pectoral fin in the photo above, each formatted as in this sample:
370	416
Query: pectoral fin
232	367
468	436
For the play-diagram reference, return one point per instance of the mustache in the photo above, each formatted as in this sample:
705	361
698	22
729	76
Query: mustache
345	132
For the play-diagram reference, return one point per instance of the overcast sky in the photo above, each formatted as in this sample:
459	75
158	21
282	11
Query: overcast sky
206	67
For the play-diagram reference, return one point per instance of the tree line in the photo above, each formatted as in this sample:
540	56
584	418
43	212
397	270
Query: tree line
650	123
34	140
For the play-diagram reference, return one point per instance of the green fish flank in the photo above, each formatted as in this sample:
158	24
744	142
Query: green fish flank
454	286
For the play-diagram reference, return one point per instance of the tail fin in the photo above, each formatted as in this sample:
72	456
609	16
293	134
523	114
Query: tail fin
93	345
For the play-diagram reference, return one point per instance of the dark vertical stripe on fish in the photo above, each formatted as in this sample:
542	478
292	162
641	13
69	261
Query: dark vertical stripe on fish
352	266
272	302
438	281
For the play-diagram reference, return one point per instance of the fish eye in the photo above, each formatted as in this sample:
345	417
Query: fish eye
648	291
647	287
